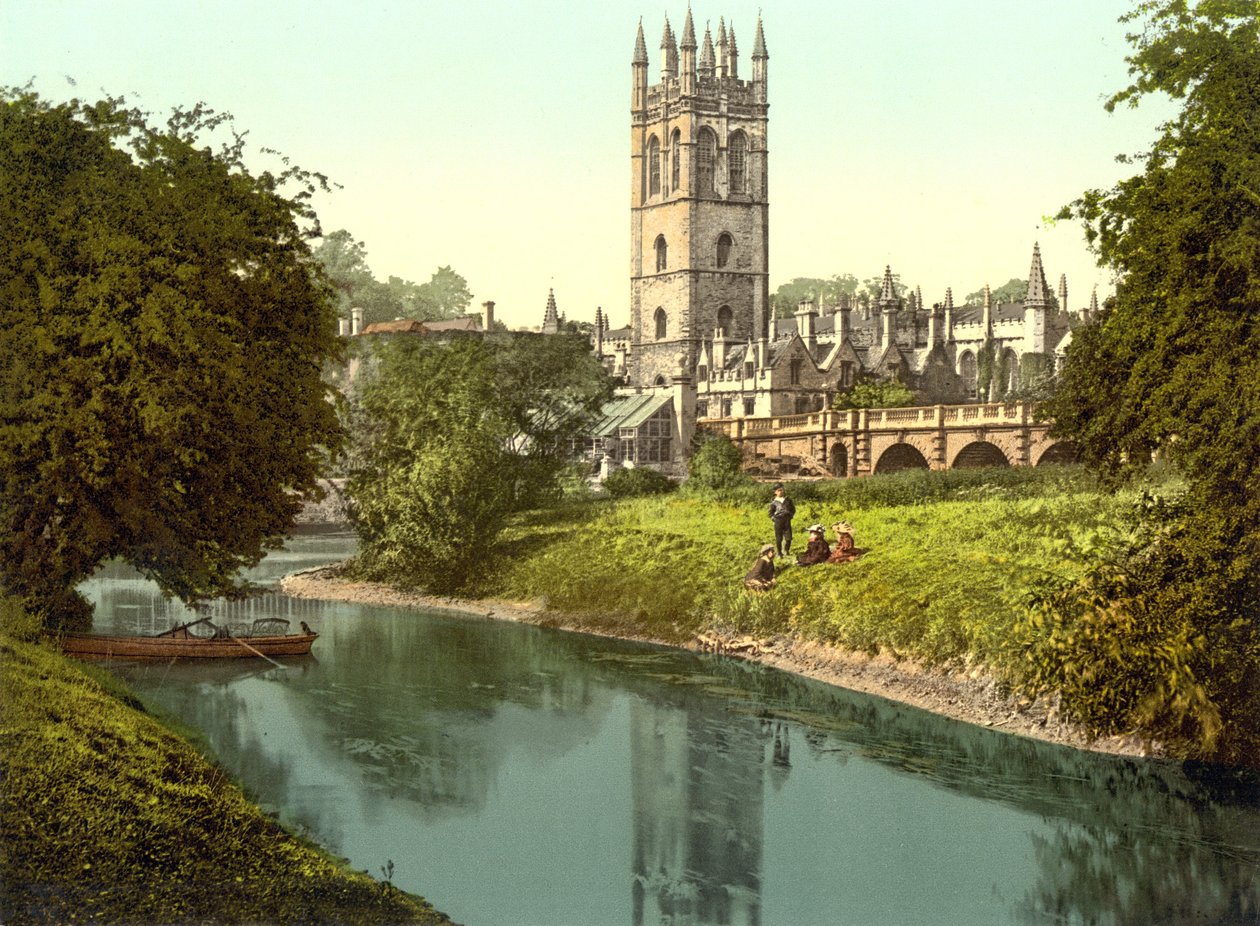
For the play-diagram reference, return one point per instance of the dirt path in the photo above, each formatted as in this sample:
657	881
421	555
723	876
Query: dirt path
973	698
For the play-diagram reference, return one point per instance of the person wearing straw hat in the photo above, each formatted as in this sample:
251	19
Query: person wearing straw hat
845	551
816	551
761	576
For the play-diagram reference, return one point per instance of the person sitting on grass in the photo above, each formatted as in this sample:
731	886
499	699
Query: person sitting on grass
761	576
816	551
845	551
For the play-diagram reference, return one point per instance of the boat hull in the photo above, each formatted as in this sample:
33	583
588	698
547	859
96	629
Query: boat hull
97	646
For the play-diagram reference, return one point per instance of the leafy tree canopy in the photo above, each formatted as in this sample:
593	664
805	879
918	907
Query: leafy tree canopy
345	261
163	326
788	296
449	436
877	393
1172	365
1013	290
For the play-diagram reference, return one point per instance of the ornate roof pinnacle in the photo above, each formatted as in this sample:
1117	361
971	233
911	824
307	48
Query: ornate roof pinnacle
689	32
640	46
759	44
1038	290
888	292
708	61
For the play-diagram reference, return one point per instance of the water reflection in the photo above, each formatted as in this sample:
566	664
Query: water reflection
517	775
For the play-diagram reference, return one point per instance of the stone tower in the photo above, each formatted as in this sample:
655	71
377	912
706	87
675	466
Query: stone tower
698	201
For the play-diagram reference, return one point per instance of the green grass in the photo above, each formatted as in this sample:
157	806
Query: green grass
951	559
108	816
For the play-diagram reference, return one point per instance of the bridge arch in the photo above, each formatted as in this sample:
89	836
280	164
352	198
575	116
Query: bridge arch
900	456
1062	452
979	454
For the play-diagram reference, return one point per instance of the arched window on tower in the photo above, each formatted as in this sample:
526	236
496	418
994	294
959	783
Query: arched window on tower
724	320
675	159
660	324
737	159
662	253
654	166
706	157
724	245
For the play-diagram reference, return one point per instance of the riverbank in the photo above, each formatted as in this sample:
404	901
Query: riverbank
973	697
109	815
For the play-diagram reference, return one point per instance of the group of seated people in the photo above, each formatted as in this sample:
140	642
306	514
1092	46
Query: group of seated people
817	551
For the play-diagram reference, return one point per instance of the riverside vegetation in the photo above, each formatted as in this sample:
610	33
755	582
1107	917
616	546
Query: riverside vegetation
976	569
109	816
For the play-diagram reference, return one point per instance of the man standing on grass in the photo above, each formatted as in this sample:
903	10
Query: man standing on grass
781	513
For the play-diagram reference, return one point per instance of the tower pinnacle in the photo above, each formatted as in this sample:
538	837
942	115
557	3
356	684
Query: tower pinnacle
1038	290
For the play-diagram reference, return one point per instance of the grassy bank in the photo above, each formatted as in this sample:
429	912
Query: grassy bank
951	559
110	817
995	571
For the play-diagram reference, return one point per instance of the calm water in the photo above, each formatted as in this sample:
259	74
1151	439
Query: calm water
519	776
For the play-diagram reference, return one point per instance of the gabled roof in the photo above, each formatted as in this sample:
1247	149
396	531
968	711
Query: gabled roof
628	411
397	326
467	323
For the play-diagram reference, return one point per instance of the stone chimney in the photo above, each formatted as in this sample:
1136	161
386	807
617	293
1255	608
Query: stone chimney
805	327
487	315
356	320
343	326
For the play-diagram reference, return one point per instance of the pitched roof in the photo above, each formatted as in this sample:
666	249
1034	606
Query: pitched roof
467	323
397	326
629	411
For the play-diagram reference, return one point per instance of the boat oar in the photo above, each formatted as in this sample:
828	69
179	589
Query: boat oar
256	652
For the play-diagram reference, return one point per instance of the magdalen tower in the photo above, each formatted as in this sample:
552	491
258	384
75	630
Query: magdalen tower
698	204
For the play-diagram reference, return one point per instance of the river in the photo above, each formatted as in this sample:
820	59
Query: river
515	775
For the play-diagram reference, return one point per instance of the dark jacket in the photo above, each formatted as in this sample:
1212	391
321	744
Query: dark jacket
782	509
816	551
762	571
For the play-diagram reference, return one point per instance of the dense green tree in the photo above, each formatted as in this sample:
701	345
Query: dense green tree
716	465
875	393
163	326
428	487
345	261
550	388
446	295
449	436
788	296
1172	365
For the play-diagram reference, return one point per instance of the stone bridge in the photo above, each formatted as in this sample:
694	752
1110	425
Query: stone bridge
859	442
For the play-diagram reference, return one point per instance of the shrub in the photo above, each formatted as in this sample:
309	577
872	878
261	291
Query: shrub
629	483
716	466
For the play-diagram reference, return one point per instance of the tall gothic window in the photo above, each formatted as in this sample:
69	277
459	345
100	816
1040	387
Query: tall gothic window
725	242
660	324
724	320
737	158
675	159
654	166
662	253
706	157
969	370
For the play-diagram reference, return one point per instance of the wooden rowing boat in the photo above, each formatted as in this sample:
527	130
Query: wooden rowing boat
200	639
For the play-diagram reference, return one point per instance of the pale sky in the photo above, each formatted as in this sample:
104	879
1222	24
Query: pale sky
932	135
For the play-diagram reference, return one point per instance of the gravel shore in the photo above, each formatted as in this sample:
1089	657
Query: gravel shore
970	697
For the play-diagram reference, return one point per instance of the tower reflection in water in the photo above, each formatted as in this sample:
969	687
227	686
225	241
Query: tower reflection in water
698	814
